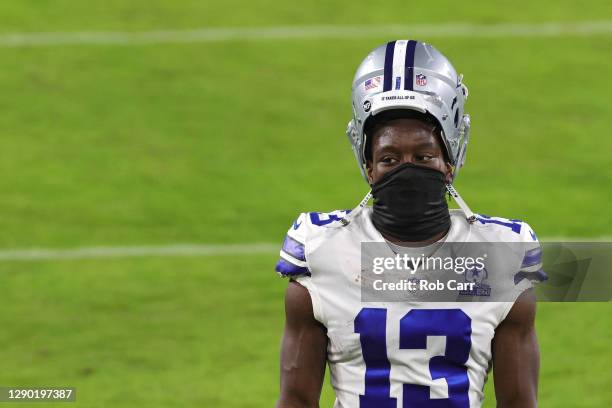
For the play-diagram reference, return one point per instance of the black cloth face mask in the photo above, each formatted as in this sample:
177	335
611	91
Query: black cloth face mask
409	203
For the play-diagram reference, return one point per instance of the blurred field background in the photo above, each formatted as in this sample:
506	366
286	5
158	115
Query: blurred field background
225	142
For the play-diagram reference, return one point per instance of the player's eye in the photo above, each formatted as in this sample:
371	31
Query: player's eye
424	157
388	160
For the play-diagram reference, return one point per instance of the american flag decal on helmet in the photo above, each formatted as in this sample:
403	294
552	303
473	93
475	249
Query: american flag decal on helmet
372	83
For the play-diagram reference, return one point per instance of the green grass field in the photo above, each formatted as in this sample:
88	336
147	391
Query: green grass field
226	142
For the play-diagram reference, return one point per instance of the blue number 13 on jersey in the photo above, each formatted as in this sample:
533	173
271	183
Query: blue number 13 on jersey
414	327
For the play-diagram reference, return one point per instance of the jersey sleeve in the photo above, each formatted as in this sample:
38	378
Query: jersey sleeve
528	271
293	262
531	266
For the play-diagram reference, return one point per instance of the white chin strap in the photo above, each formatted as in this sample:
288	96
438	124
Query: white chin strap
464	207
347	220
469	215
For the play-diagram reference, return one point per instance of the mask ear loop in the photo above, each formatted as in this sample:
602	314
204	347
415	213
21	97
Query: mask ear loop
471	218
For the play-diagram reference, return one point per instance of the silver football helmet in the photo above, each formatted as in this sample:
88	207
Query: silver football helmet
409	74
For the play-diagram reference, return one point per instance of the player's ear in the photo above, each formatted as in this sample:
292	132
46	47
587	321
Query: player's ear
448	173
369	171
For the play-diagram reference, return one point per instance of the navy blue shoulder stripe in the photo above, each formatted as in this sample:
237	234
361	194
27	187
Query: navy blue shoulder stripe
286	268
537	276
294	248
532	257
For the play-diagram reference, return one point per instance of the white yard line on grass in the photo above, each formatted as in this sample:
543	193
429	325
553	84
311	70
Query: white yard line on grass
44	254
203	35
177	250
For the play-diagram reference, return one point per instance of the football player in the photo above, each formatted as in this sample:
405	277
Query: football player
409	133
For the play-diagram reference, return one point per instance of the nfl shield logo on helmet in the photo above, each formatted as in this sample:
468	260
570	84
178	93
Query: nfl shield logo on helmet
421	80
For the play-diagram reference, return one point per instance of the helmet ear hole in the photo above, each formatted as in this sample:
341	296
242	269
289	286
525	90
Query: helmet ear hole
350	130
456	117
465	138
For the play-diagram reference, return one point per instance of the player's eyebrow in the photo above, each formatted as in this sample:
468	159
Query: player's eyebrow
388	148
425	144
420	145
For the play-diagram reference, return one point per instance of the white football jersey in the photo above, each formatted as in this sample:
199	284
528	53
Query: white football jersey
400	354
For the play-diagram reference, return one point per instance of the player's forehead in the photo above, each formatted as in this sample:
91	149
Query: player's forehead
405	134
